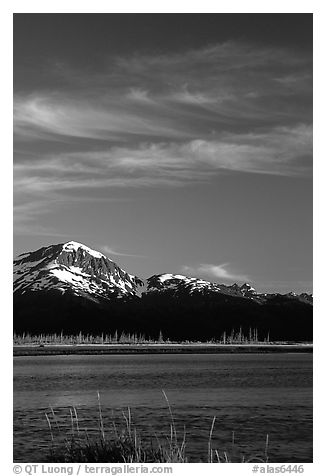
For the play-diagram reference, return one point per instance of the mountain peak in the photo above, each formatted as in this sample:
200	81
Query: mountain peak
75	268
247	288
74	246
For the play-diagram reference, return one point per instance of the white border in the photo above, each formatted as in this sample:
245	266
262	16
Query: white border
7	8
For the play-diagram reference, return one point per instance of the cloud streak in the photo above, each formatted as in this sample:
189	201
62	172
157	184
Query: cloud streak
108	251
164	120
282	151
214	271
228	85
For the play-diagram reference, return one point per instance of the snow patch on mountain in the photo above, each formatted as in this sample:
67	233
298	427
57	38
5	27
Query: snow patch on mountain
74	246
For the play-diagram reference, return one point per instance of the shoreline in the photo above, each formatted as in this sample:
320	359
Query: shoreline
21	350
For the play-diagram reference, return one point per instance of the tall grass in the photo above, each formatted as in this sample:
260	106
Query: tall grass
123	443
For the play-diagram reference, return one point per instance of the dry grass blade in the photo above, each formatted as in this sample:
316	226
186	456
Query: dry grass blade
55	419
173	427
100	416
127	419
72	422
50	427
77	421
266	448
210	456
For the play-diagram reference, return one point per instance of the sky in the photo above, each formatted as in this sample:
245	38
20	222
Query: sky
172	143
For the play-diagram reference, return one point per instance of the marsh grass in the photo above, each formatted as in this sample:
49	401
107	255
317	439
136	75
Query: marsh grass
122	443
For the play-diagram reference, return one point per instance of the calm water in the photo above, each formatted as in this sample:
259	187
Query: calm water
251	395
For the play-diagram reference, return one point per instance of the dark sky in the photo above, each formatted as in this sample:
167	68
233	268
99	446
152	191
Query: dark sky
173	143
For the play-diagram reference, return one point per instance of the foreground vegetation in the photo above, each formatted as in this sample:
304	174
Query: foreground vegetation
123	443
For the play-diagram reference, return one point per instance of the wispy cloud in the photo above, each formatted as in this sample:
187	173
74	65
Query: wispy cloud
163	120
108	251
220	271
282	151
175	95
36	116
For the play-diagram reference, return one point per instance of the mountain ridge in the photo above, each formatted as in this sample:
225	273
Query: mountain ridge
104	267
70	287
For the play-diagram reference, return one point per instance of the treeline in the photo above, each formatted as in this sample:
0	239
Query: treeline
185	318
235	337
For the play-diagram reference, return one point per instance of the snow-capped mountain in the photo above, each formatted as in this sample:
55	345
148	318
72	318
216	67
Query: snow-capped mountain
75	268
70	288
177	283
